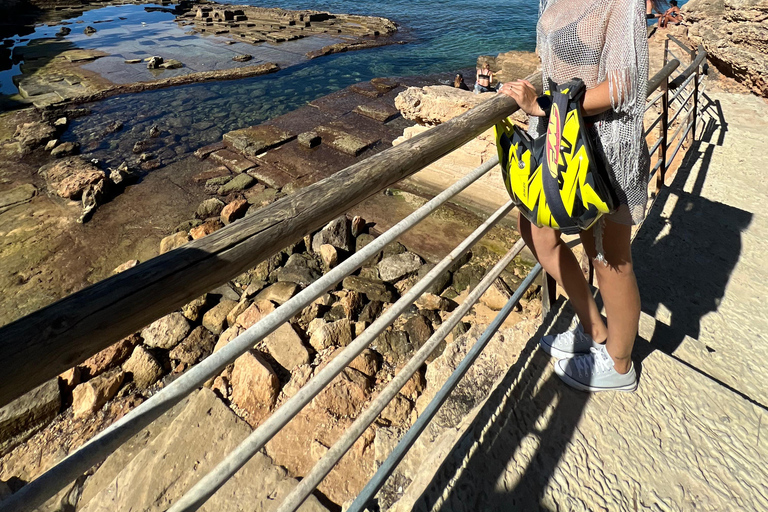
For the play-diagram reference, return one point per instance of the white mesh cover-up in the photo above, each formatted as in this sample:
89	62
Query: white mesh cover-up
599	40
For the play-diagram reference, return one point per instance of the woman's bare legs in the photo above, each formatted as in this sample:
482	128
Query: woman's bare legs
618	288
559	262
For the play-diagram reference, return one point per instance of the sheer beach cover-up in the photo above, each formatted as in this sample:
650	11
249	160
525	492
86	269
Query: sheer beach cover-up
599	40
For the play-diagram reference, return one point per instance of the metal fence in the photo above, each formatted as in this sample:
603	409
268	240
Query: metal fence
683	119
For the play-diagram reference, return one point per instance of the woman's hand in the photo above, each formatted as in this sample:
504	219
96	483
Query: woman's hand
523	92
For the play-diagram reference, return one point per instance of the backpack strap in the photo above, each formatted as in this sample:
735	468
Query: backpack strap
550	173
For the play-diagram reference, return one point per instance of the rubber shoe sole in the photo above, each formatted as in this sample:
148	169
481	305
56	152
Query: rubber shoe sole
628	388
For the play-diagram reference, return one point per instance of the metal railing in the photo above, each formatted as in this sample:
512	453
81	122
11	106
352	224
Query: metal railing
473	122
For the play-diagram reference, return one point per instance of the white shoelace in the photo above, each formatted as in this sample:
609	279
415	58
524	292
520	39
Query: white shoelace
596	362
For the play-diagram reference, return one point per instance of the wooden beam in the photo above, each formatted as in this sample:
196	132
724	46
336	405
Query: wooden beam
44	344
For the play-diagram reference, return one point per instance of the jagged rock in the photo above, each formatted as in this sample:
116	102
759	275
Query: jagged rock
329	255
225	291
154	62
436	104
198	345
398	411
393	249
27	414
113	127
372	288
144	368
351	303
51	144
166	332
358	226
36	133
440	283
405	284
362	240
234	210
299	376
497	296
227	336
324	335
432	302
108	358
70	177
370	312
66	149
396	267
467	277
309	139
300	269
160	464
394	345
278	292
236	184
171	64
71	378
415	386
215	319
209	208
337	233
419	330
346	394
63	31
125	266
286	347
243	304
89	30
368	362
512	65
194	310
205	229
255	287
255	312
90	396
173	241
254	386
242	58
61	122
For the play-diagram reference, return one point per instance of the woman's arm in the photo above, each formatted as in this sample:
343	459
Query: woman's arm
596	100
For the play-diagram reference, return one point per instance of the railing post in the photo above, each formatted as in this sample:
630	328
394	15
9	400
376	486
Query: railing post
695	98
664	124
548	293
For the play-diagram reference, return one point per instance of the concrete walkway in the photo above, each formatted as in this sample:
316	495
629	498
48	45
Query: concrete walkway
691	437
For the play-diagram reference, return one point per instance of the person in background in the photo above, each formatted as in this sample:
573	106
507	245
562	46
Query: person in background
653	5
671	15
459	82
483	78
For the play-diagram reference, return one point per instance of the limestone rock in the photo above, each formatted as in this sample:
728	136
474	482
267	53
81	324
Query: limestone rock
419	330
108	358
227	336
415	386
154	62
194	310
300	269
396	267
27	414
337	233
329	255
89	30
70	177
90	396
346	395
351	303
299	377
512	65
467	277
71	378
242	58
362	240
368	362
432	302
324	335
171	64
254	386
215	319
162	464
209	208
166	332
205	229
497	296
394	345
358	226
241	306
436	104
398	411
234	210
279	293
31	135
309	139
125	266
439	284
144	367
255	140
286	347
372	288
194	347
236	184
255	312
65	149
370	312
173	241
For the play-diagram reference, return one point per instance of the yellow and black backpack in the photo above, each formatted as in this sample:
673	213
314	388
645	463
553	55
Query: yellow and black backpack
556	180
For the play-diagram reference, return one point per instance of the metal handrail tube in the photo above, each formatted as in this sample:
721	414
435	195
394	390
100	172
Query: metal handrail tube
49	483
656	167
692	67
679	43
681	88
309	482
683	108
210	483
410	437
653	125
680	143
659	78
655	146
653	101
674	136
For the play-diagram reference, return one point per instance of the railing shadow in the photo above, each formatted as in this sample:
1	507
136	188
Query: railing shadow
528	414
687	248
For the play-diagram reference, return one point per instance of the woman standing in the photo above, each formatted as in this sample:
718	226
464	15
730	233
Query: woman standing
604	43
483	78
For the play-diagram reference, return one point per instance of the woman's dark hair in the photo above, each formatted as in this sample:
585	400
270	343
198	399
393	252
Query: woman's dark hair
673	3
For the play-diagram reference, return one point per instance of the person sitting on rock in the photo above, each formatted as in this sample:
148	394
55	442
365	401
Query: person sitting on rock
459	82
483	78
672	15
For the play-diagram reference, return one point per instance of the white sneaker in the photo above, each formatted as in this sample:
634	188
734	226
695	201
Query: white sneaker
568	344
595	372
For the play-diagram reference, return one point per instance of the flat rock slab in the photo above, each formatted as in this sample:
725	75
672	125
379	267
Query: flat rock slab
378	111
270	175
340	102
28	413
194	442
232	161
342	141
255	140
20	194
